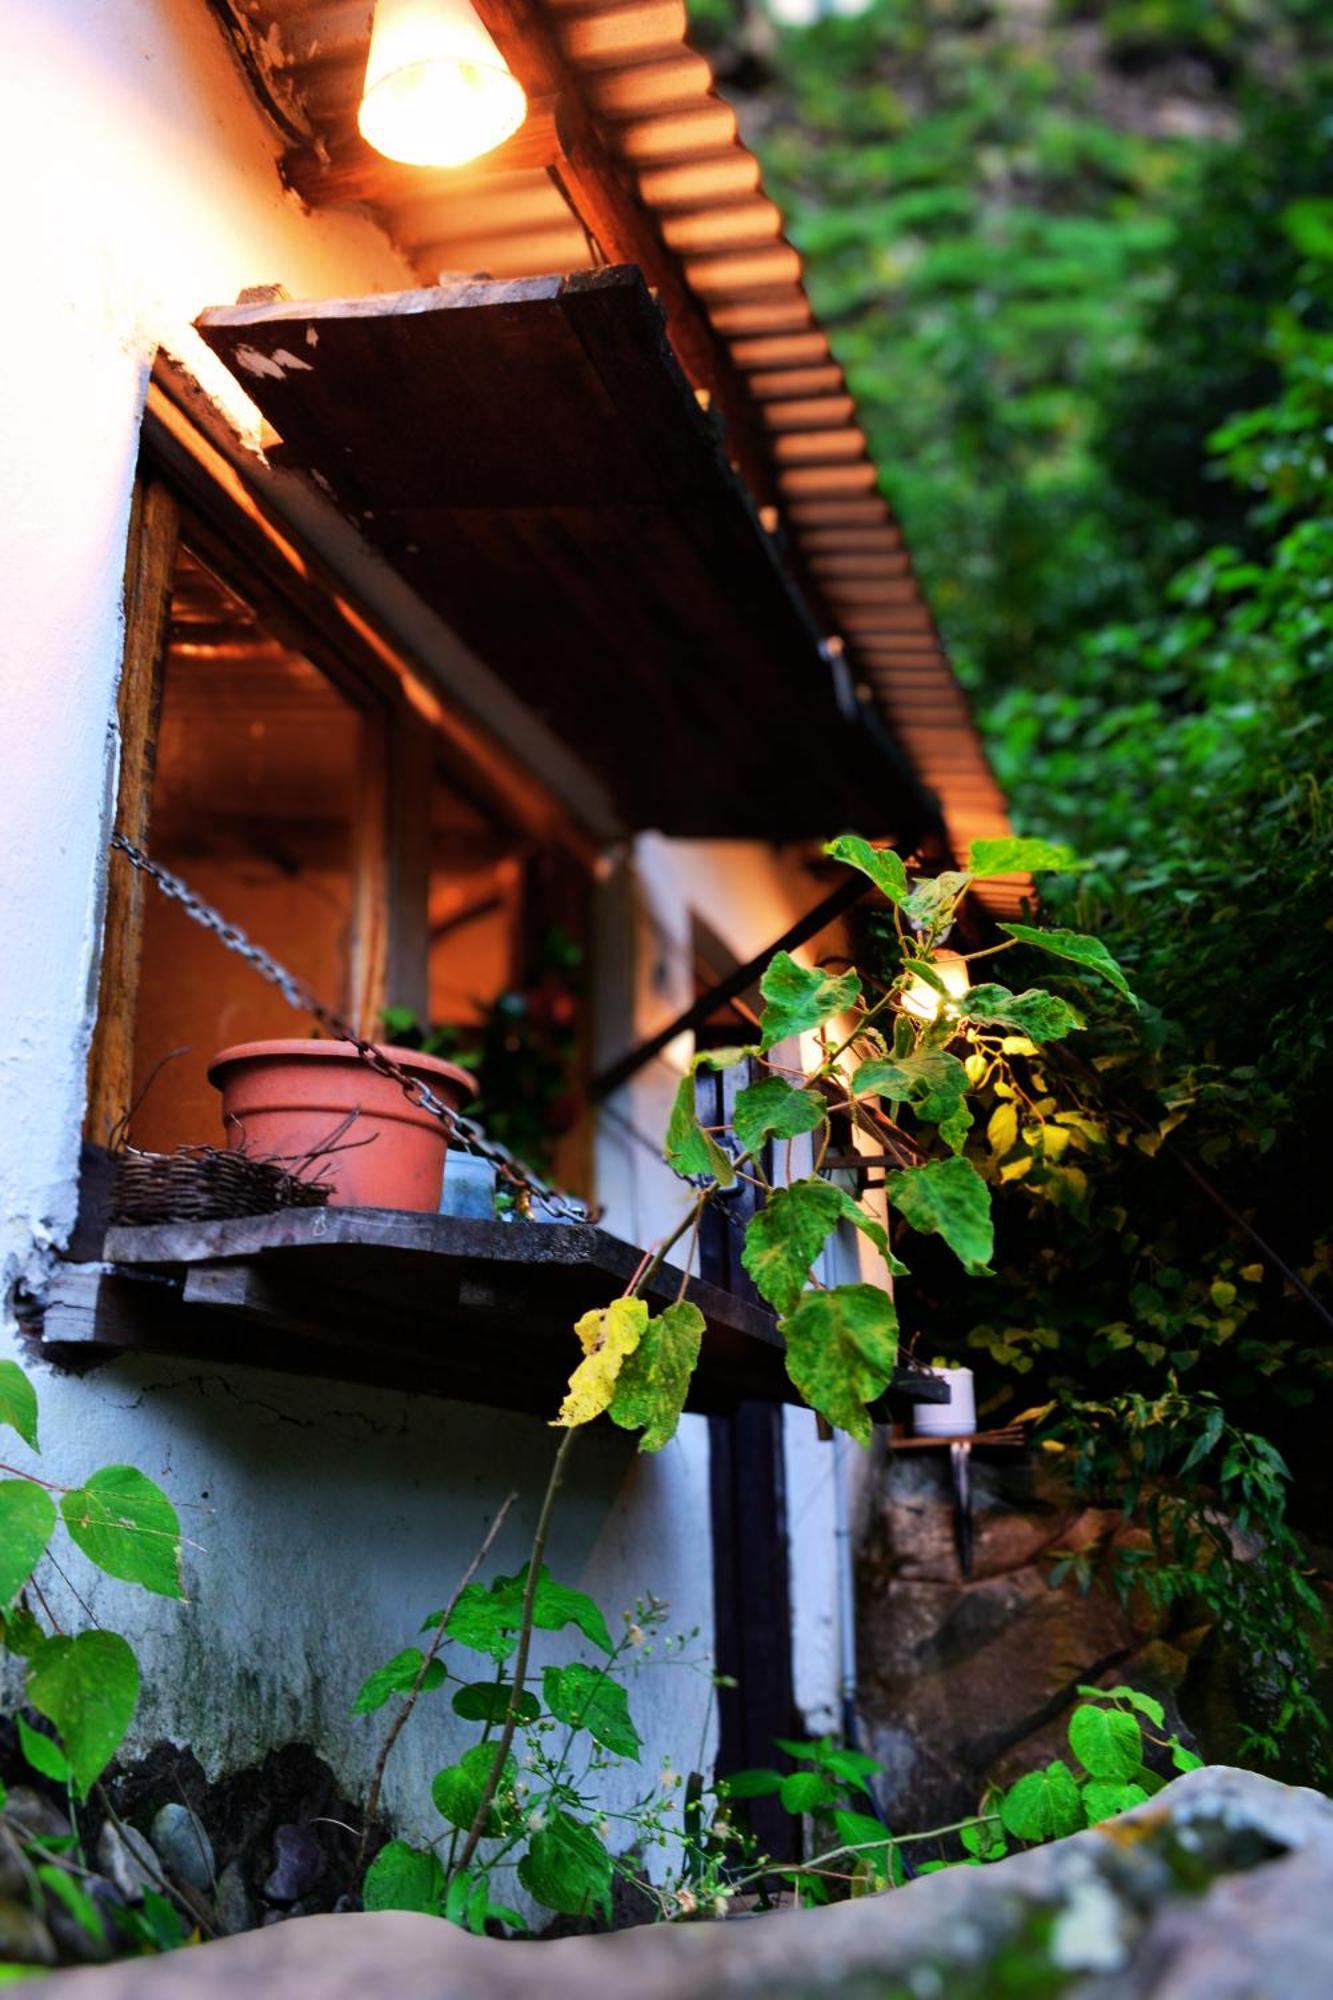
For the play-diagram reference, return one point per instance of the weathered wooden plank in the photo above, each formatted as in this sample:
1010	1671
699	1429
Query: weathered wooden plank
154	531
532	458
440	1305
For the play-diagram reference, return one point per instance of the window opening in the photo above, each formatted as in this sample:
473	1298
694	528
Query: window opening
260	776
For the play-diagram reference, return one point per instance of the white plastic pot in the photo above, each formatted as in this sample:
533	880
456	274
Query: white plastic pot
957	1417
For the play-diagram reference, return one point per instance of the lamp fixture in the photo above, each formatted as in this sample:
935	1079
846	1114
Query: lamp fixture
437	92
921	998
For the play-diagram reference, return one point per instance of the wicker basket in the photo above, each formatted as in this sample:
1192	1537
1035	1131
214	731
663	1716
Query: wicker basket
205	1184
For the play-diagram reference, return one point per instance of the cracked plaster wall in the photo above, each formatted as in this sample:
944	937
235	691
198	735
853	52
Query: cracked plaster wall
323	1520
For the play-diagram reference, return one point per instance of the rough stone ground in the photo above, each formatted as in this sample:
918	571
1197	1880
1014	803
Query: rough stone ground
1220	1889
964	1682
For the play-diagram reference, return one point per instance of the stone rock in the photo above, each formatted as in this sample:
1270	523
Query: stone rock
961	1678
183	1846
24	1938
129	1860
232	1905
13	1867
298	1865
32	1814
1221	1888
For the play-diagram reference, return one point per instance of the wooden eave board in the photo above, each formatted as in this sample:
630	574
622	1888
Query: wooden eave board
531	458
476	1310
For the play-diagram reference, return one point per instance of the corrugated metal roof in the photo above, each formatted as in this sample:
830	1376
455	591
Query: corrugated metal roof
656	110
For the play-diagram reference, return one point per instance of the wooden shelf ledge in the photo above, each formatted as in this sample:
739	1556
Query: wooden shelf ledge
441	1305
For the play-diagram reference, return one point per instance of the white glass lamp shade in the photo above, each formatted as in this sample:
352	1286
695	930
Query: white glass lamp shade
921	999
438	92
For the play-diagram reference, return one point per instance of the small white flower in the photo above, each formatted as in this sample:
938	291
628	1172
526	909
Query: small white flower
604	1828
536	1821
637	1635
687	1902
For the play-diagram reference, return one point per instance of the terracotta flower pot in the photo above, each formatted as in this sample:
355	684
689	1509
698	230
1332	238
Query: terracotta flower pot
286	1098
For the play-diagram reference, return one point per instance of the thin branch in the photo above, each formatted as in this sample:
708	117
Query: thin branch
395	1729
648	1266
506	1736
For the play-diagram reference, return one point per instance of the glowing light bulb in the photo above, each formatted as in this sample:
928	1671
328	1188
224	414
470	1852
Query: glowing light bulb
438	92
921	999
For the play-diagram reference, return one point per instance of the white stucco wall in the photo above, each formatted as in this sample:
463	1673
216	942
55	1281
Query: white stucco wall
325	1520
747	895
141	187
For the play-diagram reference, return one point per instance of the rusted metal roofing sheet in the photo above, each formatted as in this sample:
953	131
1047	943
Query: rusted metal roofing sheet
731	284
530	456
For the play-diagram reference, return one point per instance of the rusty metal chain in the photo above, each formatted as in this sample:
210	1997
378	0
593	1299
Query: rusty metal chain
527	1186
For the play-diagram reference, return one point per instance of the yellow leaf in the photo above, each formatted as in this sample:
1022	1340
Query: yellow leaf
1002	1130
607	1337
1017	1045
1054	1141
1252	1273
1014	1170
976	1066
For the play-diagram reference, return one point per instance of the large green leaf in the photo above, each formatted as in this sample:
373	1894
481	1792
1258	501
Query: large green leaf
27	1521
488	1701
397	1676
1045	1805
773	1107
1041	1016
566	1868
486	1618
1131	1697
18	1402
950	1198
44	1755
882	864
1089	952
785	1236
457	1790
865	1839
1103	1798
584	1698
798	997
933	897
1106	1741
804	1791
841	1349
128	1527
655	1379
933	1082
1012	856
689	1150
404	1878
88	1686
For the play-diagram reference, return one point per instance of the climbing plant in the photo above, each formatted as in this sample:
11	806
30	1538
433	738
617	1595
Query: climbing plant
84	1684
900	1053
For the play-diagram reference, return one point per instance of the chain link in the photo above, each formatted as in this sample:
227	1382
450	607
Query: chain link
527	1186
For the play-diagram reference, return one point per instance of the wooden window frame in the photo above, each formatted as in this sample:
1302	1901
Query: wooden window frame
190	489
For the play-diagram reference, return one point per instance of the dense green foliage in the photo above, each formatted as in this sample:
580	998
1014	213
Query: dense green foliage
1079	268
83	1685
